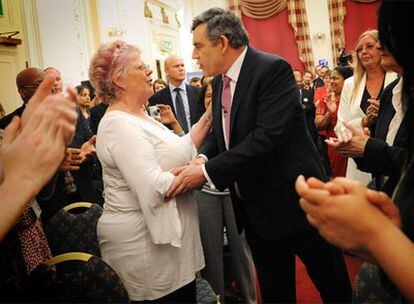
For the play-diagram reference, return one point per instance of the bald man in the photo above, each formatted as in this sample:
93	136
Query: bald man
27	82
182	98
58	85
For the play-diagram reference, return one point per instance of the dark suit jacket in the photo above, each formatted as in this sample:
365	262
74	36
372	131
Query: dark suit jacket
193	94
4	122
306	100
269	146
96	114
379	158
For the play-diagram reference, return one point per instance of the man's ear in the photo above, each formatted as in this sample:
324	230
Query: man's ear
21	92
224	43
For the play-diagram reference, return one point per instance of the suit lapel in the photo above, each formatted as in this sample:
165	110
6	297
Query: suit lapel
168	99
192	103
243	81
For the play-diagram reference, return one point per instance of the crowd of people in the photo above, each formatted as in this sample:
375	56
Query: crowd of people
282	164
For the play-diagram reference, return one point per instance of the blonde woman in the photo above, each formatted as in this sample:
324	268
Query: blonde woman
359	100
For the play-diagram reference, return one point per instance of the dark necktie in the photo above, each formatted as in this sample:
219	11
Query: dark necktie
179	109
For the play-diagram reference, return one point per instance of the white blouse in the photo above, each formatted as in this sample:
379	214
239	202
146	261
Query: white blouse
152	244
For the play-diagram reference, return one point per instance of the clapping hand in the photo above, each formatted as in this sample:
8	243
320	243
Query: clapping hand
354	143
88	147
346	213
372	113
331	103
73	159
31	152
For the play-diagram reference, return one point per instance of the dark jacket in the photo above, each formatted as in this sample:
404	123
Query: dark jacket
96	114
193	94
269	146
4	122
379	158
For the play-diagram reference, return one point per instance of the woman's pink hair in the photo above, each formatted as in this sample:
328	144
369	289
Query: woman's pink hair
109	62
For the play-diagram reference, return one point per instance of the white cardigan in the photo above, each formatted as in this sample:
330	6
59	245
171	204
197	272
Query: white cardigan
350	111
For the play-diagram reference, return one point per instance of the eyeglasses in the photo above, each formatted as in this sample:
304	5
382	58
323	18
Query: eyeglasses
31	86
144	67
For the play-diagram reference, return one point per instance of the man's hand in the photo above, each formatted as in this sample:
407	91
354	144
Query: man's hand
190	178
198	161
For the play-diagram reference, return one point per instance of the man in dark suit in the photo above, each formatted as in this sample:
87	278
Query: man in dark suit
182	98
258	146
27	82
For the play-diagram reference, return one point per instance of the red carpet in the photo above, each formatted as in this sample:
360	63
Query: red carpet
306	291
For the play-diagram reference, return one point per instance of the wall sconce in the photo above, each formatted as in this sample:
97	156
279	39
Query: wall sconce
116	31
320	35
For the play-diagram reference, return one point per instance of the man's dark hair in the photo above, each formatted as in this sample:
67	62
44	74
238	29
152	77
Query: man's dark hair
221	22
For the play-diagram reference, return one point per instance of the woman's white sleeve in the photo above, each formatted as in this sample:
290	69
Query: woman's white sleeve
344	105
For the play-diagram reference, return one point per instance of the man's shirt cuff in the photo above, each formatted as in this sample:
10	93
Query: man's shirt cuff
210	183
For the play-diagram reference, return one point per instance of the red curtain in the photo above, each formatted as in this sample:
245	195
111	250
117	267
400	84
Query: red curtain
359	18
274	35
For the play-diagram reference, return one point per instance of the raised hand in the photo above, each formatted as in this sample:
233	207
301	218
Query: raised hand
88	147
32	152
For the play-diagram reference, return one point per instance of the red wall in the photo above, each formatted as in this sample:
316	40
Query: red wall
274	35
359	18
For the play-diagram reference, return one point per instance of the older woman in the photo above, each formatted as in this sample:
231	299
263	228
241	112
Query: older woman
326	116
359	99
153	244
